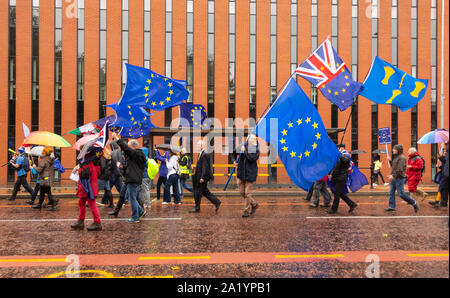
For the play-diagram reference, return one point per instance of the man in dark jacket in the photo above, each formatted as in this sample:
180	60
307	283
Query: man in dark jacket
445	180
398	179
134	166
203	173
339	177
247	172
115	179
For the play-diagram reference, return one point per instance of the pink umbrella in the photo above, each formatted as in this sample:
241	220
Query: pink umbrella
83	141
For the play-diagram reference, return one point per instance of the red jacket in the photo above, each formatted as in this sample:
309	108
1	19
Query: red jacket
95	172
415	171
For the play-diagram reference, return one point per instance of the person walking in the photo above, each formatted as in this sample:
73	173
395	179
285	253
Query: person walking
185	168
414	171
22	167
46	172
339	177
247	172
104	178
115	179
397	178
36	187
134	166
440	179
377	167
173	171
87	192
321	188
162	172
144	190
203	173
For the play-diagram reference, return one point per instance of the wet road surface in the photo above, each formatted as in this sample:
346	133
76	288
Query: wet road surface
284	238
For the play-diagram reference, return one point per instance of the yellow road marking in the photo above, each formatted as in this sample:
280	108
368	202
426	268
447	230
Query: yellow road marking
428	255
31	260
307	256
176	258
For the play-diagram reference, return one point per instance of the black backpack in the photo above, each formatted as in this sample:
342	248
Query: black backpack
26	163
423	161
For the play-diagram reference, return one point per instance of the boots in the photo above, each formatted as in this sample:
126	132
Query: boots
38	206
110	200
95	227
422	193
79	225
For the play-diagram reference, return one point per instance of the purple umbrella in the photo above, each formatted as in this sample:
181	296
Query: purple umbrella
435	137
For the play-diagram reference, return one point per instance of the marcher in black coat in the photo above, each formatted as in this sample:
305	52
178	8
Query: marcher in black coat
202	175
247	172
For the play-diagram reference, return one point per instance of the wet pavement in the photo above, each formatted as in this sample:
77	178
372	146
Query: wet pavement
284	238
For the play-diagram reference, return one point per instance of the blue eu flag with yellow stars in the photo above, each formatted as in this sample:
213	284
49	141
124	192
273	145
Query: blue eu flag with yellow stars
130	116
148	89
192	115
295	129
389	85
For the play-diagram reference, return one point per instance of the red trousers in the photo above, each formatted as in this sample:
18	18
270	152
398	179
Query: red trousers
92	206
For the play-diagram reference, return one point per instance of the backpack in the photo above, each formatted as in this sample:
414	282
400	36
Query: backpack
423	161
152	168
26	164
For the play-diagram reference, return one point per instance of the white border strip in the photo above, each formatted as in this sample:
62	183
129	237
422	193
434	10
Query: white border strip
372	217
75	219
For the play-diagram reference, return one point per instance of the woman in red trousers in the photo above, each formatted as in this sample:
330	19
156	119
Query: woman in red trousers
88	173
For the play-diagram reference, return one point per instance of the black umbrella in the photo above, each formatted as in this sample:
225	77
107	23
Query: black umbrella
380	151
358	152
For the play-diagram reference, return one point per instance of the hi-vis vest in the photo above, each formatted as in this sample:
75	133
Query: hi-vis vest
185	169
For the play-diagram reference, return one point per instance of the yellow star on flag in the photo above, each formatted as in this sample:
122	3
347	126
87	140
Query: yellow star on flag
170	84
167	99
146	88
171	92
283	141
299	121
314	146
161	103
318	135
315	125
308	120
307	153
285	149
284	132
153	103
290	125
293	154
149	81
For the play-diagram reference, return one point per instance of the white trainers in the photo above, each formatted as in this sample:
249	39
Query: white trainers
386	184
165	203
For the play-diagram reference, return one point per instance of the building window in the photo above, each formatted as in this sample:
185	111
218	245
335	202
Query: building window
58	65
168	54
433	81
190	48
102	62
414	110
147	27
11	84
314	44
334	42
80	64
211	57
35	66
252	58
355	76
294	35
374	54
125	44
232	59
394	60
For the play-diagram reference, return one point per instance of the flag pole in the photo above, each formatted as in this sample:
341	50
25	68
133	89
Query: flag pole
346	126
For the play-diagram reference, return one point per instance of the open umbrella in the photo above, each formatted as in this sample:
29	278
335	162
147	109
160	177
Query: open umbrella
37	151
83	141
358	152
168	147
380	151
46	138
435	137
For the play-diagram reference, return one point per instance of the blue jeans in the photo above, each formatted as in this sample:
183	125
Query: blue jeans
184	185
131	194
399	185
172	181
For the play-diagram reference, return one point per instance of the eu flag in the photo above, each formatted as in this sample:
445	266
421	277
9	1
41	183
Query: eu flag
130	116
133	132
294	127
193	115
387	84
148	89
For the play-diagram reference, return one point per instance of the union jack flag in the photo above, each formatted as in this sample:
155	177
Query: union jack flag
103	135
326	71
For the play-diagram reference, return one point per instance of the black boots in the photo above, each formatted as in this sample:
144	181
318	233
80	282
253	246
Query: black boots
95	227
79	225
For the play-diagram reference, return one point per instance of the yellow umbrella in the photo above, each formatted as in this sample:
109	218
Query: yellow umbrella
45	138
